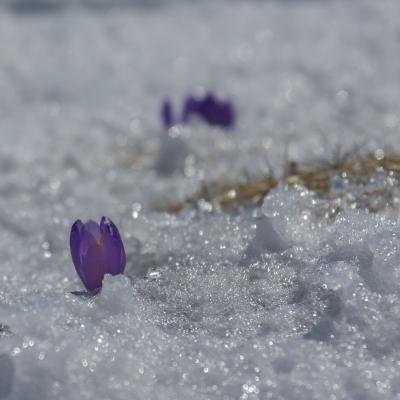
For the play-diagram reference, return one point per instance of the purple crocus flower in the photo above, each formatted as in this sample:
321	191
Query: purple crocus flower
167	114
96	250
211	110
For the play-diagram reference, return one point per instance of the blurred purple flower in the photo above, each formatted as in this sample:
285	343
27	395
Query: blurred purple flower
167	114
96	250
211	110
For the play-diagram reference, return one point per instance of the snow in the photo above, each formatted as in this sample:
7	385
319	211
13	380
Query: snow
296	299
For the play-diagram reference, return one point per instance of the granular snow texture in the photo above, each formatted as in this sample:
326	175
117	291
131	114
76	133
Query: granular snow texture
297	299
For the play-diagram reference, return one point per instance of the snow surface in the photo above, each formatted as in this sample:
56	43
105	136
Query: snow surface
281	302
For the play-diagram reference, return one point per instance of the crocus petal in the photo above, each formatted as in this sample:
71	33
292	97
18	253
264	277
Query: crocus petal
113	248
190	108
167	114
215	112
74	241
108	227
93	228
114	257
92	273
210	110
87	259
226	115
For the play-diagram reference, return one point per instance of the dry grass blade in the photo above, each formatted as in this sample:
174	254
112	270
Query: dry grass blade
317	178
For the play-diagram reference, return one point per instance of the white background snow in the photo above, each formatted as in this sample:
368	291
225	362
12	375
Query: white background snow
274	303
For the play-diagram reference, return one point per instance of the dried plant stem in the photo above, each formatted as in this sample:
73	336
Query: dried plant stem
228	196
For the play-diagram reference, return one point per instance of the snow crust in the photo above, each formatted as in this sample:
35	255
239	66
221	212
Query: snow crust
298	299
